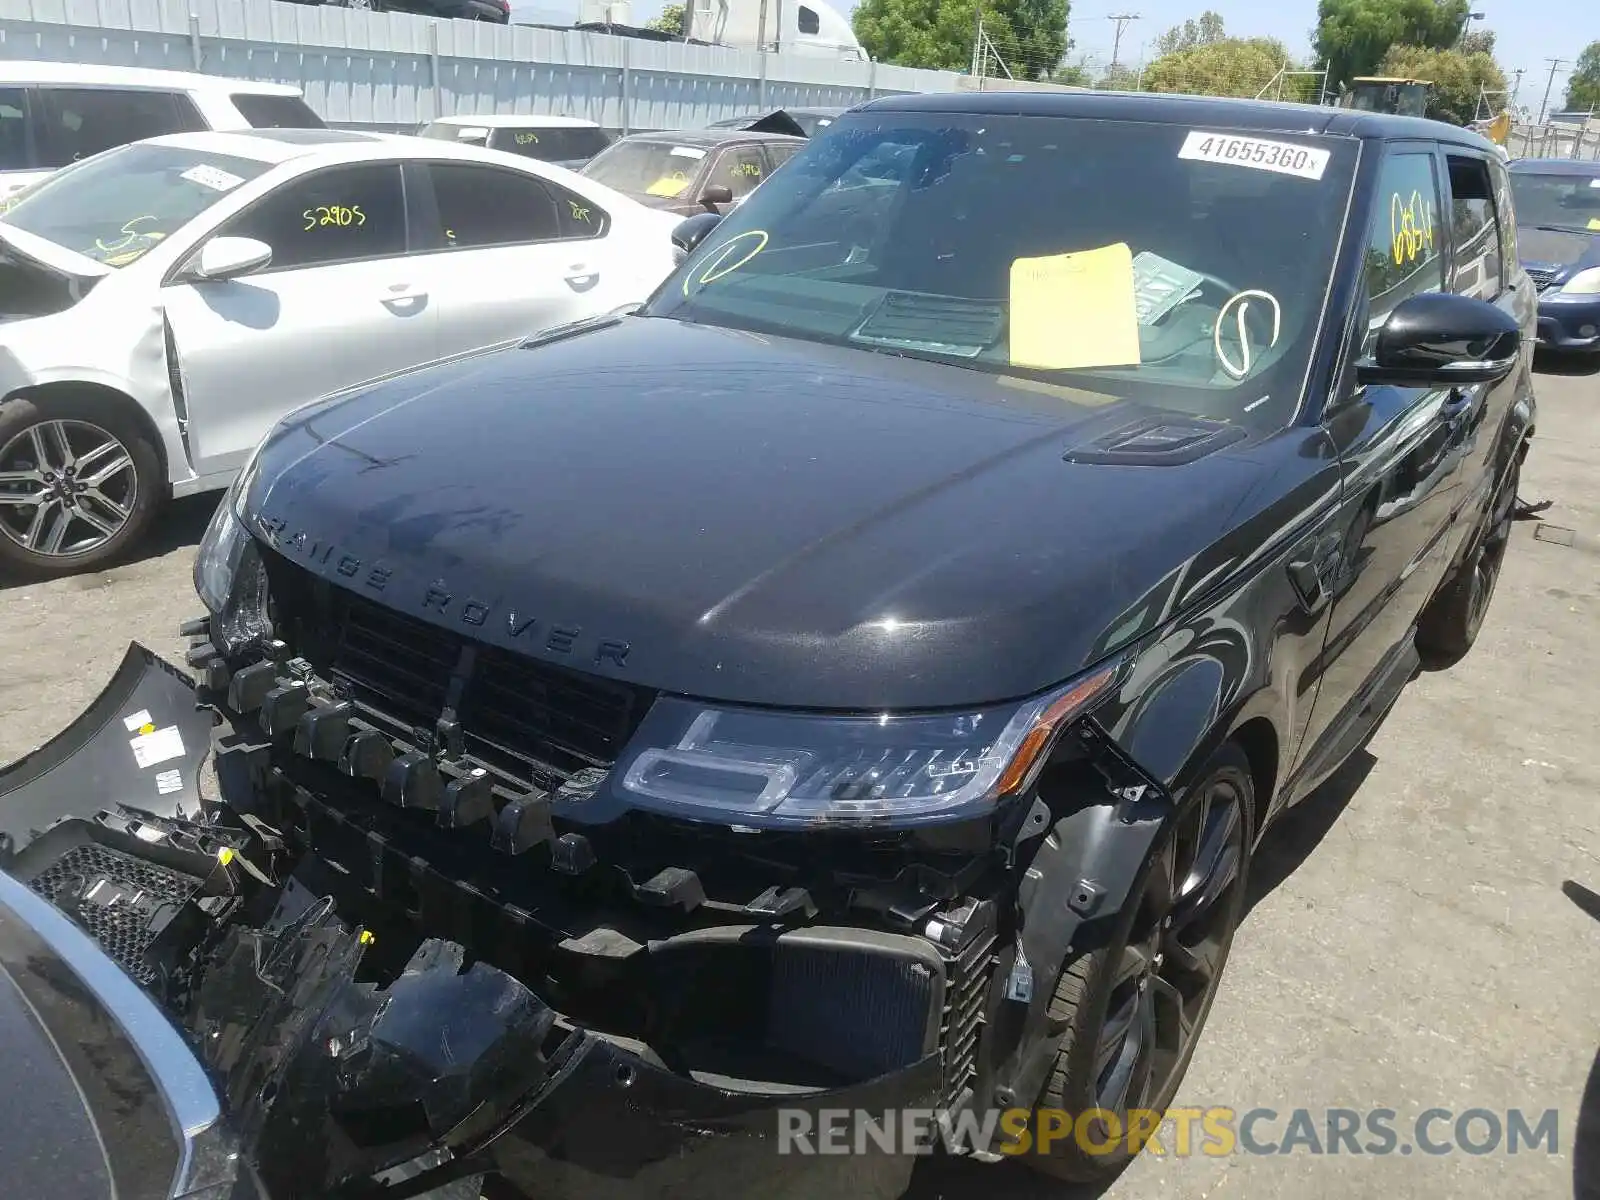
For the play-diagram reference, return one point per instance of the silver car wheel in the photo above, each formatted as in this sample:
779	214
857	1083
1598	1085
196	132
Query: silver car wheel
66	488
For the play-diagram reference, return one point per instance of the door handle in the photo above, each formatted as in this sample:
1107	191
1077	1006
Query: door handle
402	293
580	278
1312	571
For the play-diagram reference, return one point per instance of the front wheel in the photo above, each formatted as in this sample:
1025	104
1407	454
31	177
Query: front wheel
1450	624
1133	1009
79	482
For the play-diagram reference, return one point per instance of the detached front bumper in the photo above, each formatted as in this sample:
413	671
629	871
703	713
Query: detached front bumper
338	1075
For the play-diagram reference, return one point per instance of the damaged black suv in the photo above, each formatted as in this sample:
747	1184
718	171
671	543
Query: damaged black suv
855	680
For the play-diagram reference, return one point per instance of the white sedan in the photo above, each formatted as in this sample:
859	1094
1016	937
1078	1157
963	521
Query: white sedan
164	303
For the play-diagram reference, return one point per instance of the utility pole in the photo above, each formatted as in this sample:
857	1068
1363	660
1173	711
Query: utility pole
979	58
1516	87
1122	20
1555	65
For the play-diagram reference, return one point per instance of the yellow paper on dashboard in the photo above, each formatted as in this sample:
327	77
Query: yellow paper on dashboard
667	186
1075	310
1594	224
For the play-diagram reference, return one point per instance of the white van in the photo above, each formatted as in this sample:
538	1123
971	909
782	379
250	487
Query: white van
54	113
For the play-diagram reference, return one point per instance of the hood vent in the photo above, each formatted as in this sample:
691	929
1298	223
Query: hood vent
1161	441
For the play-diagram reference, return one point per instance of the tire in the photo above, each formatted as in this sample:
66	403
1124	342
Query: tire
1450	624
1088	984
108	506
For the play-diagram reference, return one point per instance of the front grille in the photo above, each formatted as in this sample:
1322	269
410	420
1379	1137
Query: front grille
115	897
962	1020
527	719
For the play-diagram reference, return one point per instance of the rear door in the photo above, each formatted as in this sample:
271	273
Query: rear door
1399	452
512	254
341	302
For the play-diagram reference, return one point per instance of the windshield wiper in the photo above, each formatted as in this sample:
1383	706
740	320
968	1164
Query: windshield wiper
1565	229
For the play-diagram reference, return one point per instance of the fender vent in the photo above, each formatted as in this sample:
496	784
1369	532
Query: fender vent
962	1019
1165	440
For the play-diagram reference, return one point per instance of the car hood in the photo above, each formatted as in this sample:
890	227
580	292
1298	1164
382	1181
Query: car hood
1556	249
754	519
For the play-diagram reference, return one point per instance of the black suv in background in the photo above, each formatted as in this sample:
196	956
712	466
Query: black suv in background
856	680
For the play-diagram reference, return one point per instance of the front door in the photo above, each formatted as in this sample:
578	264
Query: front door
1400	454
341	302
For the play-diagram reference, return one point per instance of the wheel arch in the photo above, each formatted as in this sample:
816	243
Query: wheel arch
99	393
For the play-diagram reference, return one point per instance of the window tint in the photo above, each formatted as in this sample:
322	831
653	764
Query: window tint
1507	210
276	112
13	130
1404	256
1476	270
809	21
580	218
480	206
780	153
334	216
75	123
739	170
549	145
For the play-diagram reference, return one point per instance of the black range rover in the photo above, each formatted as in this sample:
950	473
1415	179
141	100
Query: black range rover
855	680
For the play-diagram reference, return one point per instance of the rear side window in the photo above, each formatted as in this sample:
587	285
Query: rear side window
550	145
13	130
1404	246
480	206
75	123
1476	270
276	112
345	214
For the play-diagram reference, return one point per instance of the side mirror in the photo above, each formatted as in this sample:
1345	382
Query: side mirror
688	234
1440	339
230	257
715	194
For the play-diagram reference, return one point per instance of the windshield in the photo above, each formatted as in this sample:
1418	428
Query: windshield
1557	201
566	144
647	167
1185	268
116	206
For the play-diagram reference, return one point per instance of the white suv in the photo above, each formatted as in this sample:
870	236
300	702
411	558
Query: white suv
52	114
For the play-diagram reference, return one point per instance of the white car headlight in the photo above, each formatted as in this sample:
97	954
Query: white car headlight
1584	283
765	768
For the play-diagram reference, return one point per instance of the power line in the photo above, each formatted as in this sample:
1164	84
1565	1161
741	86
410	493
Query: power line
1122	20
1555	65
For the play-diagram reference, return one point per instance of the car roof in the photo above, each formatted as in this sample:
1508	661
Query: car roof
1263	115
708	137
94	75
517	120
1555	166
278	145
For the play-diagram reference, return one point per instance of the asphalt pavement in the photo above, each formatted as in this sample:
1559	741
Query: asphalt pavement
1420	937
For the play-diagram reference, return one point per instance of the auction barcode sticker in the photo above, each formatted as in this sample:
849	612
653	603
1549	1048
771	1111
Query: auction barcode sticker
1258	154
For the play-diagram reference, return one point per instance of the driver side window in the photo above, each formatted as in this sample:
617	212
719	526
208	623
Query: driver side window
1404	242
341	215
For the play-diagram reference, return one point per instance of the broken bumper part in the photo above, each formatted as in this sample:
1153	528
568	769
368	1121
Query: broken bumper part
336	1076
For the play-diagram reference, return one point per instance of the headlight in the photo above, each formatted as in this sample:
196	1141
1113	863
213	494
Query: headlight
1584	283
231	581
761	767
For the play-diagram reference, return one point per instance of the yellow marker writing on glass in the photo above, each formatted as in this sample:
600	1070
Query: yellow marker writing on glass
1075	310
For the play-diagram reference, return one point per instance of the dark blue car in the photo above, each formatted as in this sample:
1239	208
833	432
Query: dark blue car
1558	216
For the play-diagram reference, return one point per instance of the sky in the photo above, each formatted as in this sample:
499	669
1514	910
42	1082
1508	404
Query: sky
1529	32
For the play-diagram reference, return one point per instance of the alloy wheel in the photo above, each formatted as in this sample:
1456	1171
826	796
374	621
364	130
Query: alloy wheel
1490	553
1163	982
66	487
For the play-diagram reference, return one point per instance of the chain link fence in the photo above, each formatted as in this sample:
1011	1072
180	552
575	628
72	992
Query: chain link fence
1556	139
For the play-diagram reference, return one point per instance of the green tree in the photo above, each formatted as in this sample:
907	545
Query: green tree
1479	41
1456	78
1352	36
1583	88
1231	67
670	20
1191	33
1030	35
1120	78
